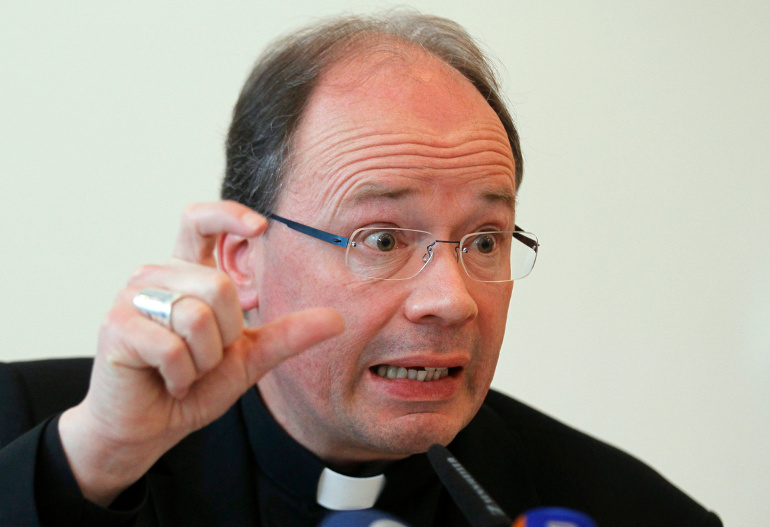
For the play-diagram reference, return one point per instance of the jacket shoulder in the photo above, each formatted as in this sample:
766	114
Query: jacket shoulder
32	391
572	469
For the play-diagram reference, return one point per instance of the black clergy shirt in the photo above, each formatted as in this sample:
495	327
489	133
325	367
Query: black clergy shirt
284	482
243	470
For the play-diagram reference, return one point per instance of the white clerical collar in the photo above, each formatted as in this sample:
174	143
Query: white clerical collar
344	493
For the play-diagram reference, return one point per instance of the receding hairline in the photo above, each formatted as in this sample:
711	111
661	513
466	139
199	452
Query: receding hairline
356	53
274	97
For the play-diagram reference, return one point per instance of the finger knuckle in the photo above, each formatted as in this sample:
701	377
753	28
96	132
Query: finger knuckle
125	297
143	272
209	359
198	317
114	323
114	317
110	325
117	333
174	351
191	210
222	286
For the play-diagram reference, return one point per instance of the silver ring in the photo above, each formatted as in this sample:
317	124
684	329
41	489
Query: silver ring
157	304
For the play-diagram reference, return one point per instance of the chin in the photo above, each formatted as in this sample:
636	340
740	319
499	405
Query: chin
414	433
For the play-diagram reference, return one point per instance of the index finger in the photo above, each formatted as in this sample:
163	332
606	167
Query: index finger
203	223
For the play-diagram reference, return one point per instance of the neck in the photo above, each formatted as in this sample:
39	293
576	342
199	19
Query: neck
340	457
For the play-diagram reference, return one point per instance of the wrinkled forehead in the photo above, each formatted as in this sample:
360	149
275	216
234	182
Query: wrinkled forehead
391	113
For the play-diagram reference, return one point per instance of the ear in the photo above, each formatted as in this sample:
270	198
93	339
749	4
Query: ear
239	258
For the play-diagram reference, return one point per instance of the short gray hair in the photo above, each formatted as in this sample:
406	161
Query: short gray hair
275	95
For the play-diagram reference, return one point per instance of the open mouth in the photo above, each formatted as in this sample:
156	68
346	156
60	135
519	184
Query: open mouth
387	371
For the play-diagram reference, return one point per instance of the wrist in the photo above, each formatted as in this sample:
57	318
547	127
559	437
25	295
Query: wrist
102	466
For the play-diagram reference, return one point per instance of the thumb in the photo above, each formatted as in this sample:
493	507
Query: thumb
287	336
256	353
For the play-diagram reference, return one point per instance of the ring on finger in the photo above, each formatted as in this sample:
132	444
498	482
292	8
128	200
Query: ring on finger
157	304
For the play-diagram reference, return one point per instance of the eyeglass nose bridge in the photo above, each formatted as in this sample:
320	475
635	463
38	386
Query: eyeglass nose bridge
428	256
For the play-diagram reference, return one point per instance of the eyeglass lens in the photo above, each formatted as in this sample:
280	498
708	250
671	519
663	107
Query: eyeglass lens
398	254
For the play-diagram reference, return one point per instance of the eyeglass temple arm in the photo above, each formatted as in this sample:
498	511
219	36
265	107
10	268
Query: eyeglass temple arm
310	231
529	242
341	241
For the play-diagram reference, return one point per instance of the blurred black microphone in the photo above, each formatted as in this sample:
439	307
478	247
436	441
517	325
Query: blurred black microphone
481	510
363	518
474	502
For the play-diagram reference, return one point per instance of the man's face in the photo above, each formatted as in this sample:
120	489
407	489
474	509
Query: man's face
406	143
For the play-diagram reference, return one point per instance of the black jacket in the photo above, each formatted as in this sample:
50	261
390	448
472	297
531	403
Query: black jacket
523	458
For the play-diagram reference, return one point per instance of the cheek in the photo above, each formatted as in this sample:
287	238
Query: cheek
295	275
492	317
327	377
295	278
302	273
493	301
343	359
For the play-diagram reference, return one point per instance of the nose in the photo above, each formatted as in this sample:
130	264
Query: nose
439	293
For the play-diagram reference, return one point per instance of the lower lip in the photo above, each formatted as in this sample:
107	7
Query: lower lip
413	390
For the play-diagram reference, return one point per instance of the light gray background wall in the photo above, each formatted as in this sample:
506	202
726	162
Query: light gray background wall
645	128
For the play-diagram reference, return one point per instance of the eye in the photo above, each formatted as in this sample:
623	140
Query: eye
381	240
484	243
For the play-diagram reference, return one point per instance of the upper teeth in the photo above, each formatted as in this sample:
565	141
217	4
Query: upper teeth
424	374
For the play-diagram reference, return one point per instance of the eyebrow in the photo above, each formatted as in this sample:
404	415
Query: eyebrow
499	196
375	191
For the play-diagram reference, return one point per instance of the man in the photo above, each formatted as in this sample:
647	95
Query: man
375	299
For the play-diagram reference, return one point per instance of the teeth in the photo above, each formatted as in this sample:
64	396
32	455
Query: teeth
422	375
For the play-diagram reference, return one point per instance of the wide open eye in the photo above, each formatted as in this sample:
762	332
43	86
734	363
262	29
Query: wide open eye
484	243
381	240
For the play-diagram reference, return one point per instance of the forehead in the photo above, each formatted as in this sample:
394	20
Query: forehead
396	123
